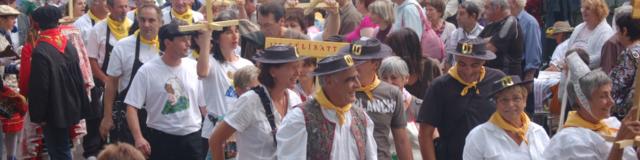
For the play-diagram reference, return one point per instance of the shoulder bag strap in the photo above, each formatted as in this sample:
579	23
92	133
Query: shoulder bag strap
107	52
266	103
136	65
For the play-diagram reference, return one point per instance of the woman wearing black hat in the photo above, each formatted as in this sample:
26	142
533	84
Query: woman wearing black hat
509	133
257	113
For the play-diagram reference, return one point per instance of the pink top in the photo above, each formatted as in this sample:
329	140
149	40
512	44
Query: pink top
355	34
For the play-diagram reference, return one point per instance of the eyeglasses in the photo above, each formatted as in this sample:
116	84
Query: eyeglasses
515	99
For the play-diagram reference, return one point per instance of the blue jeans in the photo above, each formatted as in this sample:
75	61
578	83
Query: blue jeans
57	142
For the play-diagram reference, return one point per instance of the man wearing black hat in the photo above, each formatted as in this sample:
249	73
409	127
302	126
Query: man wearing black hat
57	99
382	101
169	90
327	126
458	101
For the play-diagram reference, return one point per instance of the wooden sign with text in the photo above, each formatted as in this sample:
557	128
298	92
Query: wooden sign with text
308	48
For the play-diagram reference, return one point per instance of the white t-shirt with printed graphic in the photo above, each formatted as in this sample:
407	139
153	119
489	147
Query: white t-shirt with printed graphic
220	93
172	96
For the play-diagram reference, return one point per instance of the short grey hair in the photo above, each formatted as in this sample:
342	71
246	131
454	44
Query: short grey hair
521	3
589	83
384	9
502	4
243	76
152	6
472	7
393	65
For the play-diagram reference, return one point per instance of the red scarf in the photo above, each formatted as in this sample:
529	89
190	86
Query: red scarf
55	38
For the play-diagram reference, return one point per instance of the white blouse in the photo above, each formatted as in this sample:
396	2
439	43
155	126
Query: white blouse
488	141
581	143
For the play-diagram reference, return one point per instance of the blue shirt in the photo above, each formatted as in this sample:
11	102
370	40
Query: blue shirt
532	47
408	16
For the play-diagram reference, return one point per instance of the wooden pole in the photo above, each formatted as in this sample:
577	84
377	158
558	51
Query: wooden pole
70	6
209	12
635	14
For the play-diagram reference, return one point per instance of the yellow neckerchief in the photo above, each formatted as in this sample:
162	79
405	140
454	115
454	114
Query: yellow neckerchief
369	88
195	54
575	120
497	120
119	30
325	103
186	16
93	17
154	42
454	73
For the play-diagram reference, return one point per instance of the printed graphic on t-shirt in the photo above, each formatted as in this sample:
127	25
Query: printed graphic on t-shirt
230	92
177	99
377	105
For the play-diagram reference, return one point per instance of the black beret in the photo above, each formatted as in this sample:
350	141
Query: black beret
47	16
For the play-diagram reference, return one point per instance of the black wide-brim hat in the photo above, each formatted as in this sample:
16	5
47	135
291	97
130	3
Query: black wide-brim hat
367	49
507	82
278	54
474	48
335	64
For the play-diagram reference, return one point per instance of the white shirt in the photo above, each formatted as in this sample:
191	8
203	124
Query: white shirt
559	54
167	15
488	141
122	58
84	24
575	143
220	91
131	15
292	137
594	41
254	138
172	96
96	44
449	28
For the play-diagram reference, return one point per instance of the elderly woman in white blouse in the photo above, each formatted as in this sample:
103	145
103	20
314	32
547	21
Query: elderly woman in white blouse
591	34
509	133
589	131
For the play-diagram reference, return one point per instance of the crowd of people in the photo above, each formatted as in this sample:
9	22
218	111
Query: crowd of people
415	79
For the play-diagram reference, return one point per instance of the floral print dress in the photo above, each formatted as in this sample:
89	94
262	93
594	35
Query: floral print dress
623	75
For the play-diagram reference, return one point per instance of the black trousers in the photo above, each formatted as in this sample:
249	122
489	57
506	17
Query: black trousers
166	146
92	142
